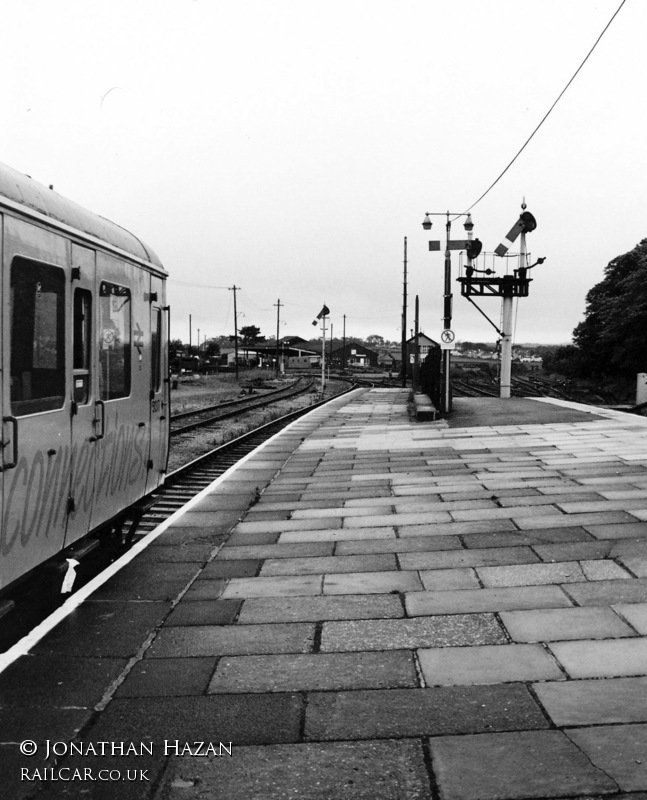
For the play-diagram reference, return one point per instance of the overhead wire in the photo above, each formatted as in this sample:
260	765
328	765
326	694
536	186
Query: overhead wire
197	285
547	114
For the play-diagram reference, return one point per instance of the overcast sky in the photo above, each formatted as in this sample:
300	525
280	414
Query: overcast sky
289	146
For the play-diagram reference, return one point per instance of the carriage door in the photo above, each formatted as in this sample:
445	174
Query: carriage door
159	388
82	394
36	414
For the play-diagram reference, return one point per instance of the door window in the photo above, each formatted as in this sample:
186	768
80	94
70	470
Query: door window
156	347
81	348
37	322
115	344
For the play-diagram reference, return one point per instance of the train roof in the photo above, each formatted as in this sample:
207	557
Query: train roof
21	189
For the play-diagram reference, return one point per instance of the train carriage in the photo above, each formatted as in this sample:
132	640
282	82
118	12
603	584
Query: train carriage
84	373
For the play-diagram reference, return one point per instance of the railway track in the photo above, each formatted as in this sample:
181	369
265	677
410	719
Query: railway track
36	596
208	415
186	481
527	387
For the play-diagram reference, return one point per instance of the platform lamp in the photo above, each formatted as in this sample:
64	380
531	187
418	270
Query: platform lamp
459	244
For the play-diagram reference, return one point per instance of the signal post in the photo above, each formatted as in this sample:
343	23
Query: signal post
507	287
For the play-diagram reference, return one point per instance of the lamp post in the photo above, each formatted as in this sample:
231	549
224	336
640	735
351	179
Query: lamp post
448	297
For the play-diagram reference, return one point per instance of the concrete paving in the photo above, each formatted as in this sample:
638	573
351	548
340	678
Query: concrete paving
446	610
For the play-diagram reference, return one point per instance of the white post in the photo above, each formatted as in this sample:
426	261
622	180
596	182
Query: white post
506	347
641	388
506	322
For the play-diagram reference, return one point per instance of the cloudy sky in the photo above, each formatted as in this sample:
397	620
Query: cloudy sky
288	147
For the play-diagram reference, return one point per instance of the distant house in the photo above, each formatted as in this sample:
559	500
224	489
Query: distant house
390	359
425	344
354	355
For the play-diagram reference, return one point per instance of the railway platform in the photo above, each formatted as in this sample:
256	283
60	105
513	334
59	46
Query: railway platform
365	607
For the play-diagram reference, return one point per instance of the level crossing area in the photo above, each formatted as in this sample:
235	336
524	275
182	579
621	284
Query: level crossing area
365	607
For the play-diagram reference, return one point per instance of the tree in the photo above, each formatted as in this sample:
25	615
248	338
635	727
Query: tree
175	349
211	348
374	340
611	339
250	335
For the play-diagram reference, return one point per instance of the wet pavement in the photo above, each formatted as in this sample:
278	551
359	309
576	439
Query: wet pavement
449	610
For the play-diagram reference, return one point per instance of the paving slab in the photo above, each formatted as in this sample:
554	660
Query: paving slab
593	518
312	771
416	544
394	634
594	702
42	681
278	586
457	528
487	664
449	579
204	612
619	750
167	677
337	535
554	624
600	593
622	529
470	601
205	590
573	551
280	526
602	659
272	550
468	558
314	609
242	719
530	574
241	568
372	582
510	766
435	711
635	614
314	671
18	726
218	640
104	630
332	564
602	570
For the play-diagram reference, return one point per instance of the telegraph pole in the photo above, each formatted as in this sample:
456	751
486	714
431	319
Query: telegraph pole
404	320
416	353
234	289
278	312
343	366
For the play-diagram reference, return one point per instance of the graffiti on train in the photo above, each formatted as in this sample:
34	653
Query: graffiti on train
38	491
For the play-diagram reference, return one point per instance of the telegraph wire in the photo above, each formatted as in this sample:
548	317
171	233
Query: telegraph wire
197	285
546	115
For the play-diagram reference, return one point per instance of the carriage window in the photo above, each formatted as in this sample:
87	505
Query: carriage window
37	321
81	346
115	341
156	348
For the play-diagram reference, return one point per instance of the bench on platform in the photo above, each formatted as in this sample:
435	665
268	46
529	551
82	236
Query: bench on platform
424	408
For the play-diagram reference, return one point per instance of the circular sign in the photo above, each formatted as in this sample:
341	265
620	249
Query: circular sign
447	336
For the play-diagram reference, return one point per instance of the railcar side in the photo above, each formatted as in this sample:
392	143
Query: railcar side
84	392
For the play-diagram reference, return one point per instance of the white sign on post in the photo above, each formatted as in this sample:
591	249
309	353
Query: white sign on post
447	340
